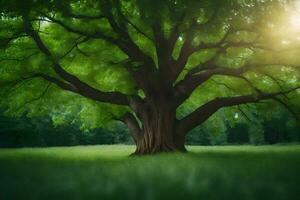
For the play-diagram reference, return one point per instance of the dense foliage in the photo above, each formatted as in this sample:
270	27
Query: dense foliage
39	131
161	67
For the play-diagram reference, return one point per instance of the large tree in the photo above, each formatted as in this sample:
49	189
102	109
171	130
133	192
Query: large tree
148	57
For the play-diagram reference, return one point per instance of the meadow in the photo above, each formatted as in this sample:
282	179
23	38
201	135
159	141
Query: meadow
107	172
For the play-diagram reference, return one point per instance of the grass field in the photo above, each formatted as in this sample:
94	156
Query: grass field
106	172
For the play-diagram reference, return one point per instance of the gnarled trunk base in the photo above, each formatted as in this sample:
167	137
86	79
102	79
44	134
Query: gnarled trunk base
158	131
148	145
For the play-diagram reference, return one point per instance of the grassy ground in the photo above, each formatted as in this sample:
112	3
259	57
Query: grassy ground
106	172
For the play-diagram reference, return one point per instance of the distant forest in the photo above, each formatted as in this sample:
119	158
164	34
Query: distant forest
40	131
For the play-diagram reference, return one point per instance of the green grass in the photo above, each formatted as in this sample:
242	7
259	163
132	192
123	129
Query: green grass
106	172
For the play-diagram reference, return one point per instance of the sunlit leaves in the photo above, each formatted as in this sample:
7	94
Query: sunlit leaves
104	66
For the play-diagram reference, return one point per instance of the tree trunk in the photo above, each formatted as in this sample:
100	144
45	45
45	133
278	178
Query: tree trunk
158	131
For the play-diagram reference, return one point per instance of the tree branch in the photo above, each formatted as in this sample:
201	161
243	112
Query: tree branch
187	48
82	16
184	88
63	85
205	111
244	114
75	45
125	42
288	108
175	32
81	87
43	93
95	35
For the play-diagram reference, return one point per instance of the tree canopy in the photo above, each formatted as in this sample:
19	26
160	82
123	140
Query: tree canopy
161	67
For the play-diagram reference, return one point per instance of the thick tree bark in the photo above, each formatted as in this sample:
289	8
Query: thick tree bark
158	133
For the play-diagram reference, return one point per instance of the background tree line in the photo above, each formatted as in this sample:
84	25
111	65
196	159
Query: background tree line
40	131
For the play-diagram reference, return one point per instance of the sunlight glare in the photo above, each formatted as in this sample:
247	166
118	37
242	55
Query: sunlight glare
294	20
